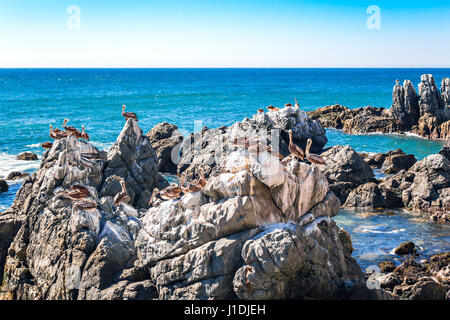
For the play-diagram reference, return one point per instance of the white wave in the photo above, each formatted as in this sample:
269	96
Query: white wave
8	163
35	145
105	146
373	229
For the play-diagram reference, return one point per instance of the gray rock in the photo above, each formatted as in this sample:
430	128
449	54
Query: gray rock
445	151
16	175
367	195
429	96
405	106
28	156
132	158
3	186
345	170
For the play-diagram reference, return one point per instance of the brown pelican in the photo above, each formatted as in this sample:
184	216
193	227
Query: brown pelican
202	181
85	204
260	110
47	145
71	130
272	108
122	196
171	192
191	187
84	134
57	134
129	115
312	157
76	192
296	103
287	105
294	149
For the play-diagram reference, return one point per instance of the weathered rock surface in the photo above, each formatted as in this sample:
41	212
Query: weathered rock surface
345	170
206	148
166	141
257	232
28	156
16	175
390	162
3	185
412	280
445	151
132	158
405	248
426	113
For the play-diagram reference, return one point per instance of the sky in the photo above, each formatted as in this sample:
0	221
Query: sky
227	33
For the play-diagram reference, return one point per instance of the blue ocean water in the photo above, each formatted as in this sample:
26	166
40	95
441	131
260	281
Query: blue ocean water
31	99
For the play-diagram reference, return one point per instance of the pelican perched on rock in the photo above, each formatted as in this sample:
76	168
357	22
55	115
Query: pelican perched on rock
57	134
76	192
272	108
122	196
129	115
85	204
71	130
294	149
84	134
296	103
312	157
47	145
260	110
287	105
171	192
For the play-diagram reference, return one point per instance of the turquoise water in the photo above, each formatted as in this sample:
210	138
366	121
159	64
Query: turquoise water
31	99
374	237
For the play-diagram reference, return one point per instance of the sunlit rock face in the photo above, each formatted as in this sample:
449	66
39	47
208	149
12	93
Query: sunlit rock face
258	230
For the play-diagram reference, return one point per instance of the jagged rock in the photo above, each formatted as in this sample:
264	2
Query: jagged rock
405	106
445	151
3	186
405	248
206	148
256	231
132	158
386	266
367	195
345	170
429	192
426	113
397	160
16	175
28	156
166	142
418	281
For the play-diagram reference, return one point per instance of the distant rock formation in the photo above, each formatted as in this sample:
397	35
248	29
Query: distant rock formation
390	162
445	151
426	113
27	156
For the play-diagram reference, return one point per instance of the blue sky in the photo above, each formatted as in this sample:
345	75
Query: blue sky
227	33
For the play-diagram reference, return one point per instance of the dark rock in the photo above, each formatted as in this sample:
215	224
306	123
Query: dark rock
405	248
3	186
166	141
445	151
386	266
405	106
28	156
345	170
396	161
16	175
367	195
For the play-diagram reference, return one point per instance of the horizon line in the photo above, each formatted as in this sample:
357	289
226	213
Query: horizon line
264	67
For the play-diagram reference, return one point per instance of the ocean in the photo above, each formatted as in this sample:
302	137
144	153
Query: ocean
31	99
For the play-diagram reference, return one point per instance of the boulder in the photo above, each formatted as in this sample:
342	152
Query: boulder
16	175
206	148
405	106
345	170
166	142
405	248
258	230
27	156
386	266
3	186
397	160
367	195
445	151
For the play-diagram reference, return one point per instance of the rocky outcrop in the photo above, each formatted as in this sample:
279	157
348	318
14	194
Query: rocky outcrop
206	148
428	280
16	175
166	141
345	170
445	151
426	113
257	231
132	158
3	186
390	162
27	156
